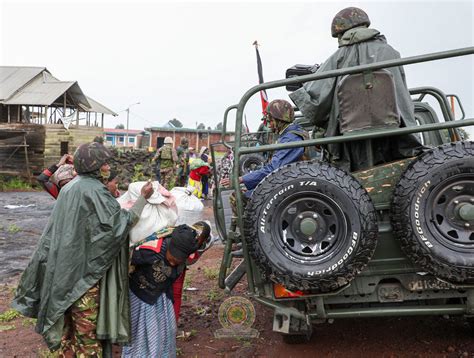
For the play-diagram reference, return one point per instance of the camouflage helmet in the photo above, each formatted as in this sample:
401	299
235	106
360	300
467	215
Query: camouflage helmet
348	18
184	141
90	157
168	140
281	110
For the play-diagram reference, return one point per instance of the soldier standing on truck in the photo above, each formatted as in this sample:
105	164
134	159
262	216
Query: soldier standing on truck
183	162
358	45
167	158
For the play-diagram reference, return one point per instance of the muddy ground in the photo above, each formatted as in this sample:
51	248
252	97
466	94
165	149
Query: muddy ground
368	337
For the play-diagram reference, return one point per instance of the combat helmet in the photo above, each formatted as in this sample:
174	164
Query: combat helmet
281	110
90	157
168	140
184	141
348	18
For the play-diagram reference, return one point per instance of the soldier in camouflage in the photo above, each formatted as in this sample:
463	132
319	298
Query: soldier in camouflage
280	116
84	242
183	162
166	159
318	100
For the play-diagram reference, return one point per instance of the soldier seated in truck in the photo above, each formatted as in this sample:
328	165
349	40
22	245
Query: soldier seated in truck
339	106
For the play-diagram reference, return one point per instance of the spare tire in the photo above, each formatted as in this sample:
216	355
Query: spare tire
251	162
433	212
310	225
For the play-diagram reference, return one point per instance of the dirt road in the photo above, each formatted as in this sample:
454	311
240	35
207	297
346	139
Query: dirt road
374	337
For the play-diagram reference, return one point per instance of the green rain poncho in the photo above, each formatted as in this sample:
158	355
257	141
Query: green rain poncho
317	100
84	241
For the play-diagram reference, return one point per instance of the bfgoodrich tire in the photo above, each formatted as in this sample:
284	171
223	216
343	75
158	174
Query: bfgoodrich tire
432	212
311	226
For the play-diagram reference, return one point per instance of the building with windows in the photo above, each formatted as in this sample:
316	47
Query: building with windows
118	137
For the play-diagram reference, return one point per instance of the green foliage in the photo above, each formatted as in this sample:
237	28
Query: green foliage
219	126
28	322
7	327
120	126
13	229
201	126
138	173
177	123
9	315
214	295
211	273
46	353
464	134
200	311
14	183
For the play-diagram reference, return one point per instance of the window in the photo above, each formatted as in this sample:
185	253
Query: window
131	139
120	139
110	139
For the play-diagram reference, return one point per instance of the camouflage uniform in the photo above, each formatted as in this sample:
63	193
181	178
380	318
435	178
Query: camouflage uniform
167	158
80	321
183	162
90	157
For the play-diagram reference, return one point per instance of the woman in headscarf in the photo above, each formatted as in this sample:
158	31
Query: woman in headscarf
204	153
157	263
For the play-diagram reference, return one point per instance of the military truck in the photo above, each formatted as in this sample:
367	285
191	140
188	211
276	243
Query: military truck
322	243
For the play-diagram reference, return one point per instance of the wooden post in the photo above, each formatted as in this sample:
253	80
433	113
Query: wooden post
9	114
197	141
208	139
102	122
18	112
64	105
26	157
77	116
174	139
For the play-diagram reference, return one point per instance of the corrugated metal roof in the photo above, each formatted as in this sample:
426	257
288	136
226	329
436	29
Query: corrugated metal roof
35	86
122	131
99	108
45	90
14	78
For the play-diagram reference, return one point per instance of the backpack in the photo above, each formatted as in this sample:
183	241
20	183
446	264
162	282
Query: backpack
166	153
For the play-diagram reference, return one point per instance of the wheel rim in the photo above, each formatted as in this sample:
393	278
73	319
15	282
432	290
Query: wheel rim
451	205
252	165
309	226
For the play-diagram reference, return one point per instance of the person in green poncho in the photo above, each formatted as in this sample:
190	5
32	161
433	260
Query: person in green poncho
76	282
320	104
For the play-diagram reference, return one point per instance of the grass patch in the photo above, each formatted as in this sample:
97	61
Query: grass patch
211	273
46	353
28	322
9	315
7	327
13	229
14	183
200	311
214	295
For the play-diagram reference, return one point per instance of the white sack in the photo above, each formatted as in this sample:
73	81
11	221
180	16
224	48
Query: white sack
159	212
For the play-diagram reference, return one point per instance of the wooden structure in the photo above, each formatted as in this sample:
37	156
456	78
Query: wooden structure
54	116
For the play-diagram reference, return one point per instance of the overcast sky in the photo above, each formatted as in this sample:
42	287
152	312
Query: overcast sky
191	60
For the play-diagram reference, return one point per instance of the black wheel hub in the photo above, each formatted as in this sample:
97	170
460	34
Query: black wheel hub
451	210
309	226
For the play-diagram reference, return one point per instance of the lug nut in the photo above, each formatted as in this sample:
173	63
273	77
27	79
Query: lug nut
456	202
467	224
315	216
300	216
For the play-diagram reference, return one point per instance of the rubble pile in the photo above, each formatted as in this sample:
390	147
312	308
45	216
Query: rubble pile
132	166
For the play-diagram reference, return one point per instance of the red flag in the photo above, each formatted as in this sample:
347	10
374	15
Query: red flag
263	93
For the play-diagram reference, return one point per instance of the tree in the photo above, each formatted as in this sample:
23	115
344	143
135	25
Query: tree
201	126
176	122
120	126
209	128
464	134
219	126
